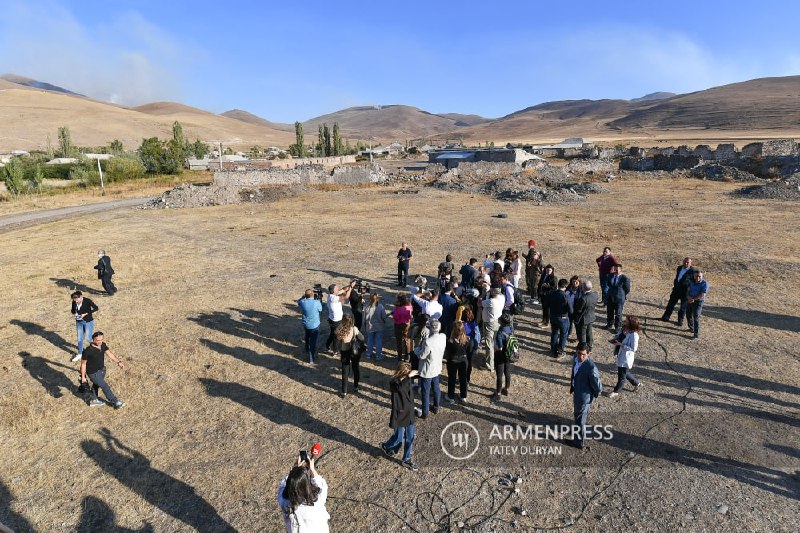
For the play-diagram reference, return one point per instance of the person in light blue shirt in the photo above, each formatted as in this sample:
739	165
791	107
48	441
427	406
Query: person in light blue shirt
310	308
698	288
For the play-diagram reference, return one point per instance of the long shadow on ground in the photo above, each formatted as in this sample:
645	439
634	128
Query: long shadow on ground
44	371
96	515
15	521
283	413
174	497
31	328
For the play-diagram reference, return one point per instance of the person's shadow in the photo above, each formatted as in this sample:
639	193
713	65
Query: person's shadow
96	515
31	328
44	371
15	521
281	412
72	285
174	497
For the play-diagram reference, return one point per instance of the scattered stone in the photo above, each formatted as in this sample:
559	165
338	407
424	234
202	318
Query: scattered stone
188	195
784	189
717	172
722	509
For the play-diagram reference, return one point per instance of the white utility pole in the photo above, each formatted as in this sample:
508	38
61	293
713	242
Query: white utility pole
100	170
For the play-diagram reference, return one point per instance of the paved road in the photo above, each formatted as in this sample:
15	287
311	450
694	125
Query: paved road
32	218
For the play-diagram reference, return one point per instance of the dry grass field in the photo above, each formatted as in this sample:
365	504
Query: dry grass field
219	398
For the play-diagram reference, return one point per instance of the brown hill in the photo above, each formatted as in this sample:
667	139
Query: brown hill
29	116
761	104
250	118
465	120
761	108
384	123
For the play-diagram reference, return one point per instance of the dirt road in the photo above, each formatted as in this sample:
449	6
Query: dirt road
32	218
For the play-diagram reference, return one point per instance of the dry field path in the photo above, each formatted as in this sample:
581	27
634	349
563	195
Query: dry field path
30	218
219	398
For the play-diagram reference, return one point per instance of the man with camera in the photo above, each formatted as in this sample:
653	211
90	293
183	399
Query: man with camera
310	309
403	259
336	297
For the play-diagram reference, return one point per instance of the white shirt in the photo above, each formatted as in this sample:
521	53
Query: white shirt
493	308
432	308
335	311
306	517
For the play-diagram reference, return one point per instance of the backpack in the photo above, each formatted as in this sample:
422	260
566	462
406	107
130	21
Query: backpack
511	349
518	307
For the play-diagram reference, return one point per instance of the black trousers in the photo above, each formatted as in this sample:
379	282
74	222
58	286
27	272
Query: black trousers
624	373
351	363
614	314
584	331
402	273
675	296
332	334
457	371
108	285
503	370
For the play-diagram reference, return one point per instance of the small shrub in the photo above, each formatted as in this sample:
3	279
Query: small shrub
124	168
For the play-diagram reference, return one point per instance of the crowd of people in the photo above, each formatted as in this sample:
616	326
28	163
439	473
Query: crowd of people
471	310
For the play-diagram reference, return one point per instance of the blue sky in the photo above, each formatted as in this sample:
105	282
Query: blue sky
293	61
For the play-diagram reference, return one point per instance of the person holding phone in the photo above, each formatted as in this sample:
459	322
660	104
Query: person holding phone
82	309
402	417
302	495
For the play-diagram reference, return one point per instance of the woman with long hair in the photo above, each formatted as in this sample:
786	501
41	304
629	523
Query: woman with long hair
626	353
547	283
302	496
402	417
456	356
347	336
515	271
401	314
374	322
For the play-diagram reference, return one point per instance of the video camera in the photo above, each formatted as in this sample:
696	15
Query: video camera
361	287
318	291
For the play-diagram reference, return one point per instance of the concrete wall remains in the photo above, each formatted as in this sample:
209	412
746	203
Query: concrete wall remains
305	174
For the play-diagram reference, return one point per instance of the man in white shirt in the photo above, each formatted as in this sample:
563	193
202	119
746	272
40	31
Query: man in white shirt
430	366
492	309
430	307
334	301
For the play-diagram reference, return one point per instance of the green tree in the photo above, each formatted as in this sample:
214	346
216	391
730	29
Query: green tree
321	142
200	149
255	152
121	168
337	145
326	137
299	141
116	147
37	177
347	148
65	147
157	159
14	177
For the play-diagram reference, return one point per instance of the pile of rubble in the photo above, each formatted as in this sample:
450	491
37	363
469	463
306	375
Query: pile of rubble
189	195
510	182
717	172
783	189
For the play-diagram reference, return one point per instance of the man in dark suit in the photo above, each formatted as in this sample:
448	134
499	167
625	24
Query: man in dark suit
618	288
684	275
559	318
104	272
583	314
585	386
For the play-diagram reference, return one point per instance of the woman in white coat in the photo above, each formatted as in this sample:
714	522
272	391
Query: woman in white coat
626	352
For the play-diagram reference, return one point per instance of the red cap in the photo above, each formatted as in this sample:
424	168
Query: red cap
316	449
531	243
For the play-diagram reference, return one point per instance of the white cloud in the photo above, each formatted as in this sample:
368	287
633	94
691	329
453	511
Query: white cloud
126	59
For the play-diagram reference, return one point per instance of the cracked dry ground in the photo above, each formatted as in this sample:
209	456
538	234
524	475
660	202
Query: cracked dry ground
219	400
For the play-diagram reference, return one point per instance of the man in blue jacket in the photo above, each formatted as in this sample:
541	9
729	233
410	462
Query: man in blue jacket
585	386
696	297
310	308
618	288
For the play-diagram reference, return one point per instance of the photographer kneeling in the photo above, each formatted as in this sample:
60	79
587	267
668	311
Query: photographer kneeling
302	496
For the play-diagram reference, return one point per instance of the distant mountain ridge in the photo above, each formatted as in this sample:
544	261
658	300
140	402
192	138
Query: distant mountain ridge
29	82
760	108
